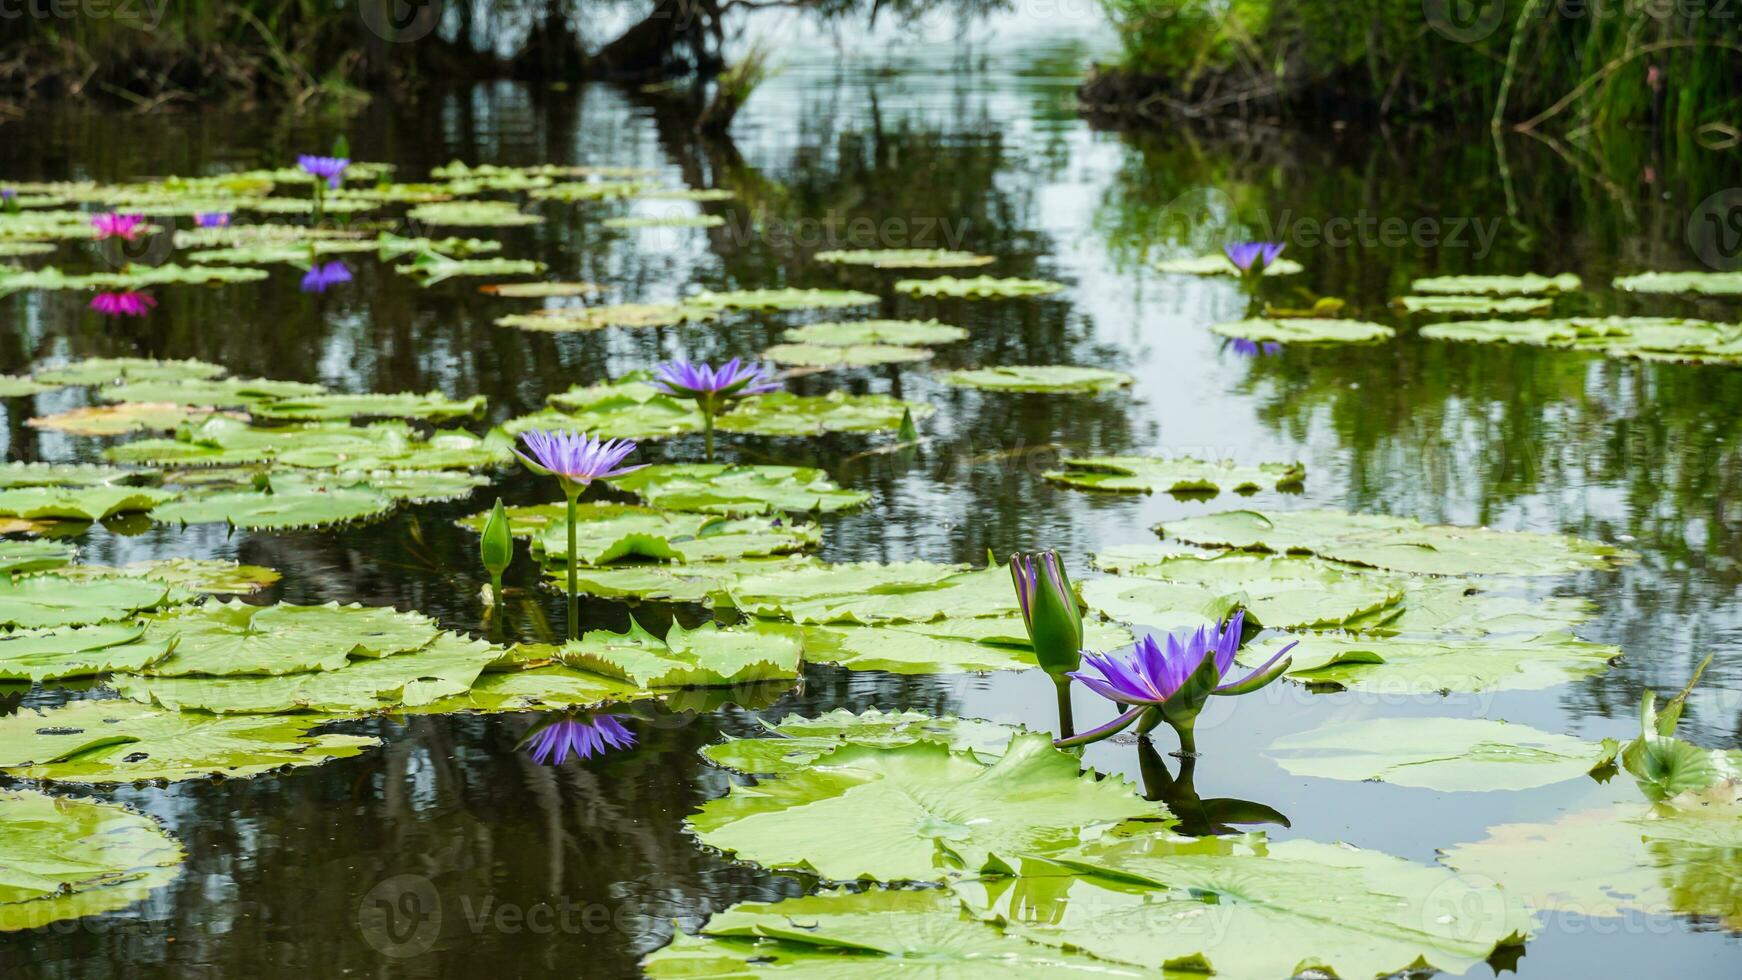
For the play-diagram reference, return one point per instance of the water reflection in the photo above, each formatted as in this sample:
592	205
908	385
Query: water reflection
560	734
1197	816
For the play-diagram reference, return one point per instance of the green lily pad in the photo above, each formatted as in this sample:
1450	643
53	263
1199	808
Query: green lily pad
625	409
42	601
904	258
1396	543
852	333
12	386
392	445
949	646
71	858
473	214
1217	264
663	221
123	742
19	557
612	532
259	510
868	593
135	277
702	582
854	935
115	420
1059	379
79	503
595	190
1652	338
432	406
42	655
549	687
864	355
446	668
1451	755
1475	304
1305	330
796	742
1423	666
704	657
408	486
1673	858
430	268
1287	593
208	576
228	393
783	413
14	249
1525	285
540	290
110	370
1244	907
1700	283
873	933
63	475
1147	474
222	639
979	287
918	812
718	488
580	319
780	299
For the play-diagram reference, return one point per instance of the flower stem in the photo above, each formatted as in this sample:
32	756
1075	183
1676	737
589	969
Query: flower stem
495	592
1108	730
708	430
1188	741
1066	723
320	199
1150	720
574	494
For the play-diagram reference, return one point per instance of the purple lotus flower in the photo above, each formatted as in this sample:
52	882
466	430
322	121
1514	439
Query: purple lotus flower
7	193
323	277
552	742
111	225
216	219
330	169
1253	257
1152	674
122	304
1251	348
733	379
574	457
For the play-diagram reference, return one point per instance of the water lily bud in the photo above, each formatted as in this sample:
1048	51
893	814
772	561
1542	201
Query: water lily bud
1050	611
497	547
908	431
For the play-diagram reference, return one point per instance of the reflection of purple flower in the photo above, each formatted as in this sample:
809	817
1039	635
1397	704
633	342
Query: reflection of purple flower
1251	348
573	457
330	169
1252	257
323	277
216	219
1153	673
700	381
557	738
122	304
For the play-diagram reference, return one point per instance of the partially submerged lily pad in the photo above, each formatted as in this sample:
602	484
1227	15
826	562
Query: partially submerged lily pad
852	333
1305	330
780	299
632	222
1450	755
42	655
123	742
1183	474
71	858
429	268
1524	285
904	258
730	489
19	557
979	287
863	355
1059	379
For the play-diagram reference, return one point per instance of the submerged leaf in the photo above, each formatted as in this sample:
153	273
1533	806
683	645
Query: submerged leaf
71	858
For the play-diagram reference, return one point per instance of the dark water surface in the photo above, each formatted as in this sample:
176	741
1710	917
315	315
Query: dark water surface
578	870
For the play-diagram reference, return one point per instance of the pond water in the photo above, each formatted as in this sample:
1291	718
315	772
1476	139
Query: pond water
979	152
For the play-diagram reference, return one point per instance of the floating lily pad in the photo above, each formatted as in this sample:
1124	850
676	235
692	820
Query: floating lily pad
1244	907
796	742
702	582
579	319
1285	594
868	593
228	393
43	601
1396	543
71	858
718	488
1041	378
904	258
1700	283
64	475
1451	755
405	405
123	742
664	221
1305	330
1217	264
12	386
13	249
1147	474
115	420
107	370
1674	858
444	669
780	299
473	214
224	441
230	638
79	503
1525	285
947	646
1401	665
980	287
209	576
595	190
783	413
19	557
871	933
704	657
540	290
430	268
42	655
1475	304
135	277
1653	338
918	812
853	333
612	532
864	355
262	510
686	194
409	486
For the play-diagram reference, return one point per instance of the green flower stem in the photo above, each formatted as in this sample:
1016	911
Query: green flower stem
320	199
574	495
496	591
1067	727
708	430
1188	741
1151	718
